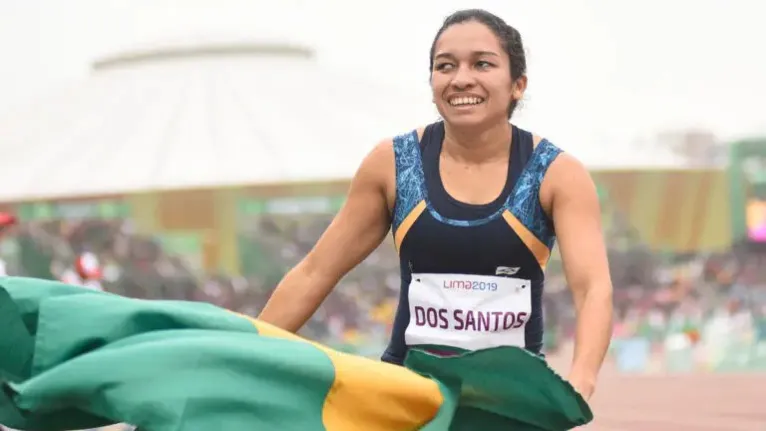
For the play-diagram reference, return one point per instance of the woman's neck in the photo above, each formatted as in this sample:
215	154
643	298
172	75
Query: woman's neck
477	146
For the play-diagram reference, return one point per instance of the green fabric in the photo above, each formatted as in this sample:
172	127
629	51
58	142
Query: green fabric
17	345
536	399
75	358
150	380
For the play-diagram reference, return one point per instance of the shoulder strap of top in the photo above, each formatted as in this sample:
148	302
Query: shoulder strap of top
524	202
409	176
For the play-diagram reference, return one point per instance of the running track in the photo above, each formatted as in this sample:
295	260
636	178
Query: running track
679	402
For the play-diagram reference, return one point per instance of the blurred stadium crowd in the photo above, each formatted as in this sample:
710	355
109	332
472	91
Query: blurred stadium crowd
711	301
674	313
668	302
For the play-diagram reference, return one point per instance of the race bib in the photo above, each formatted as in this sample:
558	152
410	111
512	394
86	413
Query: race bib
468	311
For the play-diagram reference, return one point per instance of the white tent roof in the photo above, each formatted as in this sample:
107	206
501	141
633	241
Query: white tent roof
199	116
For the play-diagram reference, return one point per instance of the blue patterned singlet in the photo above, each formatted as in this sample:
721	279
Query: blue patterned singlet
471	275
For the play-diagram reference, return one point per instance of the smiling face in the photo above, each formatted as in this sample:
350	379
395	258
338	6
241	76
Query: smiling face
471	76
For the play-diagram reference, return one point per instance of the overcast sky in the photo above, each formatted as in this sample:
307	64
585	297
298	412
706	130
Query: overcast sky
599	70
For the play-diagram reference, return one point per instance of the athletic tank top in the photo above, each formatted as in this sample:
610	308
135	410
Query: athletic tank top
471	275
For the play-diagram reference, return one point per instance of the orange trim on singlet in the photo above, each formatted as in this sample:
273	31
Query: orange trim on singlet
407	223
537	247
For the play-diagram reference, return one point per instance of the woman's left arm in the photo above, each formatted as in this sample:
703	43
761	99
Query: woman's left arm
573	205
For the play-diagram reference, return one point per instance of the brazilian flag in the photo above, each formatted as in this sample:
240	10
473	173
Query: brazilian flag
72	358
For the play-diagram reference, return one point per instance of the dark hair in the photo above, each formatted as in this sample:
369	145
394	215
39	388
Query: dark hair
509	37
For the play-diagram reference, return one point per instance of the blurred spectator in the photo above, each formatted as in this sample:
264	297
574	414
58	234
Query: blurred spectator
7	221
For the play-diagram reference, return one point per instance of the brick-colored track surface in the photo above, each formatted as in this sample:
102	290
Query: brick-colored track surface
678	402
694	402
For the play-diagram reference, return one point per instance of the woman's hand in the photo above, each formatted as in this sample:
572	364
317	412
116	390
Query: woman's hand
584	386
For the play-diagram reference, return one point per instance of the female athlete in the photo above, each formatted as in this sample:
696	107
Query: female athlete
475	205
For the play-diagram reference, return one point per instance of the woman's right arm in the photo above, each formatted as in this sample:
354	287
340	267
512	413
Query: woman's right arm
358	229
